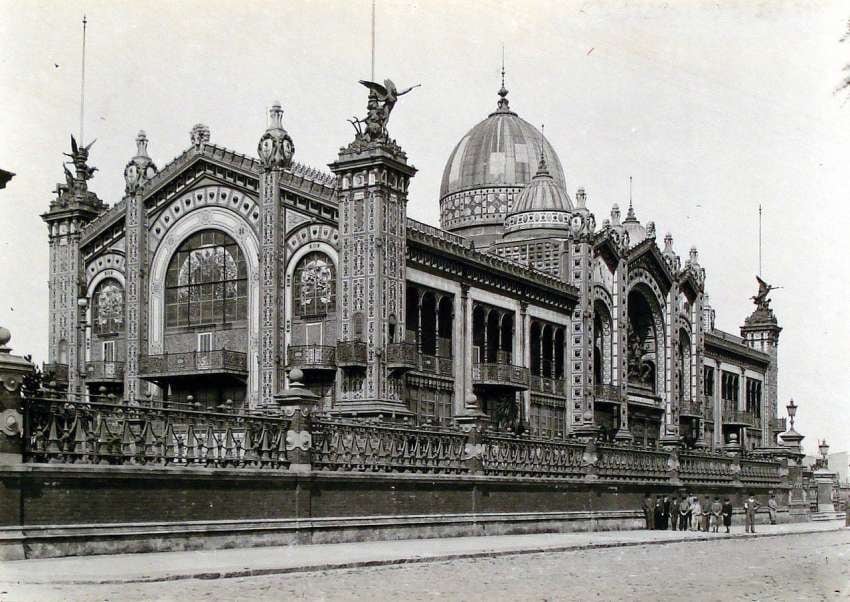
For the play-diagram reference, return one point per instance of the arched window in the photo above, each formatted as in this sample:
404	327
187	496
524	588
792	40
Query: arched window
108	307
206	282
314	286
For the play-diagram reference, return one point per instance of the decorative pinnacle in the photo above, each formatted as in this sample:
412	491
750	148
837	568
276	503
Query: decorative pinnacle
142	144
276	116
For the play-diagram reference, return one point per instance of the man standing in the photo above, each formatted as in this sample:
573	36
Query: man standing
716	513
750	507
706	514
674	513
771	508
648	511
727	514
696	514
684	513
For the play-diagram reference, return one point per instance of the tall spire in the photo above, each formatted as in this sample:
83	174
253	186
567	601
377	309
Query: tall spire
631	213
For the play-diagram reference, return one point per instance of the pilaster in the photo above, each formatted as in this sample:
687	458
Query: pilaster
137	172
275	150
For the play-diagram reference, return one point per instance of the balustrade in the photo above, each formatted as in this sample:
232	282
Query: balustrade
432	364
500	375
311	357
737	417
690	409
627	463
374	447
512	456
194	362
606	393
401	356
351	354
105	433
104	372
705	467
57	431
552	386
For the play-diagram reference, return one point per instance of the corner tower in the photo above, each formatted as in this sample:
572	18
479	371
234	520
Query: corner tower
73	208
761	332
372	182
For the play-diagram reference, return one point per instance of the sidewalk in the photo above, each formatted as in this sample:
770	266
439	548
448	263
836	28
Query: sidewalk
214	564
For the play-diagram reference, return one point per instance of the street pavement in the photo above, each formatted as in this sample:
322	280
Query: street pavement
807	561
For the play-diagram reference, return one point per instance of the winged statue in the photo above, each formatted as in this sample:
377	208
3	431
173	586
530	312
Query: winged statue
760	298
382	99
79	158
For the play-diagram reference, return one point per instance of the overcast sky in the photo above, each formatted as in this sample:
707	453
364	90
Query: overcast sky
711	109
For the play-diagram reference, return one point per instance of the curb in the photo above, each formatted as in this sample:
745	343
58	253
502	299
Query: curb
209	575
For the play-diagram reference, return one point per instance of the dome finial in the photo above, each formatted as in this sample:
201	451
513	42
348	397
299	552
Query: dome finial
542	168
503	92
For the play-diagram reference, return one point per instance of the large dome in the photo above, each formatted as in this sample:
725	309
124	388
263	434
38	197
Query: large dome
487	170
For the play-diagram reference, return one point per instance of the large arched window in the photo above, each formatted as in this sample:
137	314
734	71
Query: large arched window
206	282
314	286
108	307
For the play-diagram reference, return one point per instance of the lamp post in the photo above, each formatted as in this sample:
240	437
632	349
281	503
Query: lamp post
823	447
792	411
82	303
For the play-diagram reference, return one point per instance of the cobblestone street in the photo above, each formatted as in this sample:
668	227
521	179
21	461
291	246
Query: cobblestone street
791	567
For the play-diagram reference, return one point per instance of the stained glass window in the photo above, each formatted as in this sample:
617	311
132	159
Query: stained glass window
314	283
108	307
206	282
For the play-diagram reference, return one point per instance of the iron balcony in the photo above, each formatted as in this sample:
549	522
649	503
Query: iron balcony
311	357
104	372
191	363
505	376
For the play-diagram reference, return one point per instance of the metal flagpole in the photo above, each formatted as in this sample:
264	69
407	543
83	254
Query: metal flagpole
759	240
83	86
373	40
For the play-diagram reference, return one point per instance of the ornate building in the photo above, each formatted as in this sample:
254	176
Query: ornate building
217	274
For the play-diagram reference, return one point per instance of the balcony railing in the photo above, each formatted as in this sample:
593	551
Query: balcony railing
739	418
500	375
311	357
778	425
104	372
351	354
222	361
401	356
57	372
432	364
606	393
690	409
542	384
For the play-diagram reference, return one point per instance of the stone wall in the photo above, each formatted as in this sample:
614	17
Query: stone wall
57	510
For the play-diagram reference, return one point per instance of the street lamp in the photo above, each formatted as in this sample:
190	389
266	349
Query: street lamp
823	446
82	303
792	411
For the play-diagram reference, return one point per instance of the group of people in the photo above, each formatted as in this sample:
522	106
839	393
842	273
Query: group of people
687	512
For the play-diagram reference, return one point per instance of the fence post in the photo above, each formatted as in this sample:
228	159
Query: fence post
297	403
12	371
590	460
473	450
